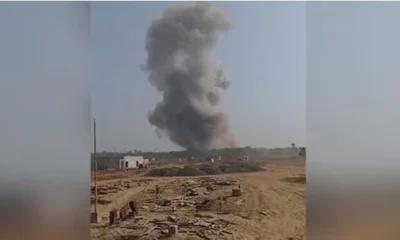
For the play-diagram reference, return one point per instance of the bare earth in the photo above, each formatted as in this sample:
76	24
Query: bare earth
271	205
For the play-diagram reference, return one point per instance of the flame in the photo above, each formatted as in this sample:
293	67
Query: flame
230	142
233	142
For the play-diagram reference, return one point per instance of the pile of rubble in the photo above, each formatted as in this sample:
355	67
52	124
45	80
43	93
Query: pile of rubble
115	187
161	227
181	210
195	195
209	183
111	188
206	185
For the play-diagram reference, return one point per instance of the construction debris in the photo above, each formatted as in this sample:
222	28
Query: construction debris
204	207
113	216
197	191
95	217
182	213
134	208
236	192
189	226
123	213
117	186
173	230
164	202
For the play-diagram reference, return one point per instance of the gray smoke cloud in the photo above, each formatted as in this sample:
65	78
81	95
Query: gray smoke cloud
180	66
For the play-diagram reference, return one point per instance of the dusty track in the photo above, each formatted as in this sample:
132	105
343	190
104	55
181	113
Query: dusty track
122	198
272	209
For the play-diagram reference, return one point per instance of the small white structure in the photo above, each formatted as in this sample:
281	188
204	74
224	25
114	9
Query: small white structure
133	162
212	160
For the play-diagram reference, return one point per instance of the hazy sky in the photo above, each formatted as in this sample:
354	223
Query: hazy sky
44	89
353	82
264	55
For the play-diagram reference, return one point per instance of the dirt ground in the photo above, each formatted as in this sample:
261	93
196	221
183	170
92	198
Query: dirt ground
271	205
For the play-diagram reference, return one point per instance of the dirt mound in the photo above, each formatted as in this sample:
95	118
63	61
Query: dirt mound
175	171
191	171
209	169
164	172
220	206
240	168
204	169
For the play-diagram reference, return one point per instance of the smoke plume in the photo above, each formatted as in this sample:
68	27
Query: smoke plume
180	66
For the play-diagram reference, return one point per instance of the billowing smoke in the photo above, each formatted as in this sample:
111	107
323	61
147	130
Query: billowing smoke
180	66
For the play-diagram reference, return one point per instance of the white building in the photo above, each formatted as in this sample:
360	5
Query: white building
133	162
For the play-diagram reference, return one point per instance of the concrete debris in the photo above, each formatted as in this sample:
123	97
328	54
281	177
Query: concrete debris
194	211
240	202
190	183
171	225
123	213
117	186
172	218
145	207
173	230
236	192
113	217
197	191
264	213
164	202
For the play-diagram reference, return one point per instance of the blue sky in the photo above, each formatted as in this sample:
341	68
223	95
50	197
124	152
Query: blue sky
264	56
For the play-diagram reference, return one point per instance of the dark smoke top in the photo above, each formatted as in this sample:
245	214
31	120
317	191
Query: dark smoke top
179	63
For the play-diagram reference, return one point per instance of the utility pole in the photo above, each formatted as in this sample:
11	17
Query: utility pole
95	166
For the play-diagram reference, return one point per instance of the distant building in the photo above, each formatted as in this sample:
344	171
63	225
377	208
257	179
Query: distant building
133	162
127	162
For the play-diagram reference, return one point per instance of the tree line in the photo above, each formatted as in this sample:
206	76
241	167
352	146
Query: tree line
225	152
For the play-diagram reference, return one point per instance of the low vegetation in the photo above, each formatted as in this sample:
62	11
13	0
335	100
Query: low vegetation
204	169
229	153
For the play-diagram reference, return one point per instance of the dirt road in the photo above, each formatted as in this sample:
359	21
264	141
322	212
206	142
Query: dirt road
271	209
